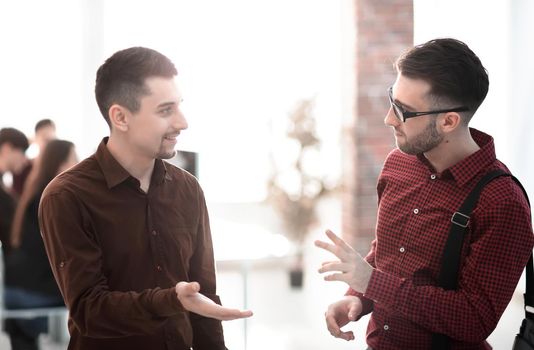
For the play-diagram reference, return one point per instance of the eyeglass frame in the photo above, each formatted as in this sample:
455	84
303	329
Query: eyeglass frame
408	114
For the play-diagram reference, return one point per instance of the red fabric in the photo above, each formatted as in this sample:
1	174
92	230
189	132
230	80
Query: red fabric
415	208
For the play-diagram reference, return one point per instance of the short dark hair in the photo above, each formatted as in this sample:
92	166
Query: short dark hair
121	79
455	74
43	123
15	138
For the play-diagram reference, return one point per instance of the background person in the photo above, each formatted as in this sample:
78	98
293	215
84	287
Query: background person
45	130
13	146
29	282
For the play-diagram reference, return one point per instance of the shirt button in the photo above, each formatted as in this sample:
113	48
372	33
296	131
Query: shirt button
402	250
433	176
154	233
386	327
416	211
61	264
158	268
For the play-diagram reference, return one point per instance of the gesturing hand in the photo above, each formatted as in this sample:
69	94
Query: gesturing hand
354	270
340	313
192	300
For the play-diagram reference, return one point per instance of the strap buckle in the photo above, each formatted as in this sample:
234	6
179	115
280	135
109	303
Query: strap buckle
460	219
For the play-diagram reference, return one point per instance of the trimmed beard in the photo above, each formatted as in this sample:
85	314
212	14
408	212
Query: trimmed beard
166	155
427	140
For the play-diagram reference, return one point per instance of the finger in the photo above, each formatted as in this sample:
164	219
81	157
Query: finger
233	314
188	288
352	312
334	329
192	287
328	262
338	241
327	246
195	287
332	325
346	335
335	266
342	277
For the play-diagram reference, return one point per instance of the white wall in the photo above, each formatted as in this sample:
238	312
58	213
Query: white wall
521	91
501	33
41	64
243	66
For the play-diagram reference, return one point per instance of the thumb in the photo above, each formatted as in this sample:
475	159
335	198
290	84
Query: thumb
352	312
187	288
193	287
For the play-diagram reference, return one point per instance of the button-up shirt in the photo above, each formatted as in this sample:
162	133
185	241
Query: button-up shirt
118	252
414	217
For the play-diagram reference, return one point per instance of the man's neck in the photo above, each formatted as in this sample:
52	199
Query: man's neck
453	149
139	167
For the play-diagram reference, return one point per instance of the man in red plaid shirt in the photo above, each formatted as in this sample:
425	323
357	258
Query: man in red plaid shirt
437	162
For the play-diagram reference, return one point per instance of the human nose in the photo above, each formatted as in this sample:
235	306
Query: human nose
180	122
391	119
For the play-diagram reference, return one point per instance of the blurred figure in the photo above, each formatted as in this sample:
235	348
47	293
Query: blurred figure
29	281
13	145
45	130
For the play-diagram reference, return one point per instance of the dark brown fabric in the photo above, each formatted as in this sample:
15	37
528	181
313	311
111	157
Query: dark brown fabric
7	210
117	253
26	266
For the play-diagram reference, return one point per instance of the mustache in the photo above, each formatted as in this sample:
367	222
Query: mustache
172	134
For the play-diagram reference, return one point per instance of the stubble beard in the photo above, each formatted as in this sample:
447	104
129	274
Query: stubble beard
162	154
427	140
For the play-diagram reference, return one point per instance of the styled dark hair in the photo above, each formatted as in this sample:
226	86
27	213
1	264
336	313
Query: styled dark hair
455	74
15	138
43	123
121	79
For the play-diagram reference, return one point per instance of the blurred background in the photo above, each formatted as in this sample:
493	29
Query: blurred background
285	102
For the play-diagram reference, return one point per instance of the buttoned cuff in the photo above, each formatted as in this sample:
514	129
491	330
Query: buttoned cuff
367	304
383	287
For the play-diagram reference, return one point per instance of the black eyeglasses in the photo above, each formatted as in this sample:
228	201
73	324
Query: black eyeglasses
403	114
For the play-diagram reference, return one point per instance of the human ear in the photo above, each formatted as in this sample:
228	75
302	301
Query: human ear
450	121
118	116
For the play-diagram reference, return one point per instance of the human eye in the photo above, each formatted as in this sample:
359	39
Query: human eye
168	110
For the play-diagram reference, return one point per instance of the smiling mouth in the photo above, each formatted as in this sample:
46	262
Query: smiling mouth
171	138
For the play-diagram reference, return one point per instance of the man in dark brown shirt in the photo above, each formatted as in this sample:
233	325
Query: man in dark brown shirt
128	234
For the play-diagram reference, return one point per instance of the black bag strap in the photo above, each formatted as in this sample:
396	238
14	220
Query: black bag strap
529	290
450	260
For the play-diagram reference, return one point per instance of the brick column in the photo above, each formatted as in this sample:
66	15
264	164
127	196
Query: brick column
384	28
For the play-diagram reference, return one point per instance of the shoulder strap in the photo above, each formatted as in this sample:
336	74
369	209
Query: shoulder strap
450	261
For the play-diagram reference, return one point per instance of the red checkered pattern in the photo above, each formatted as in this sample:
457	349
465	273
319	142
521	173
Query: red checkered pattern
415	208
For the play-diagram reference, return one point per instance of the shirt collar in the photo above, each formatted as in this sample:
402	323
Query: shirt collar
115	174
466	169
